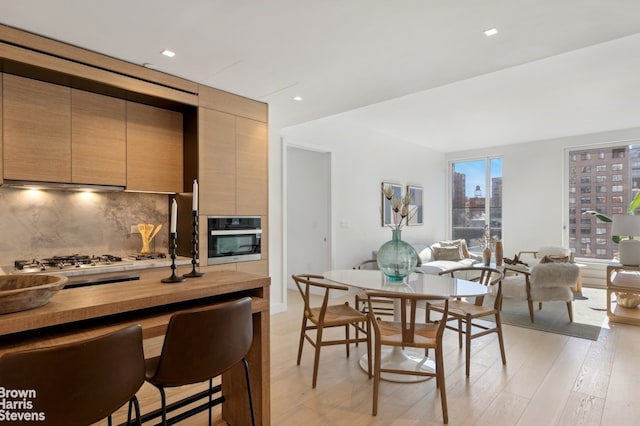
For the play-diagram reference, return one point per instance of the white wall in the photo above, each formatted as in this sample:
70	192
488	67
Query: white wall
361	161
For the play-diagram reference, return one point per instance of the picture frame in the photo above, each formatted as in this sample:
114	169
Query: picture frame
387	216
416	216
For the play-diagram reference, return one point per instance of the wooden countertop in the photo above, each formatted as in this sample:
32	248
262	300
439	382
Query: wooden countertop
85	303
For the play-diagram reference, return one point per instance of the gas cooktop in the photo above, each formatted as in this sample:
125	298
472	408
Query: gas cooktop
65	262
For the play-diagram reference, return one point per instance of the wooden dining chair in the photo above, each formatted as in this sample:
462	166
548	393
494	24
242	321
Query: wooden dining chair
382	305
406	332
327	316
466	312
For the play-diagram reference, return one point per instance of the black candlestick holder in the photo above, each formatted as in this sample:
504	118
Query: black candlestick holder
172	247
194	249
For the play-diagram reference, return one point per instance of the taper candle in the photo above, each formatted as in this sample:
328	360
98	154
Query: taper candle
174	215
195	195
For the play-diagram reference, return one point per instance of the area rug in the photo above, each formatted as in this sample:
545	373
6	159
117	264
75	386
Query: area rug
589	313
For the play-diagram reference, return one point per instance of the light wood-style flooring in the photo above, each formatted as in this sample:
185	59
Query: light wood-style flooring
549	379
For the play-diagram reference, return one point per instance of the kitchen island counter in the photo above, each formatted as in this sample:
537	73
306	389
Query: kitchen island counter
84	312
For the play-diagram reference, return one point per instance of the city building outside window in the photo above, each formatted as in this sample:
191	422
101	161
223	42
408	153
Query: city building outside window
605	177
476	200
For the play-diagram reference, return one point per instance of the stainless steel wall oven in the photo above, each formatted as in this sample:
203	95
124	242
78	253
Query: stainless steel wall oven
233	239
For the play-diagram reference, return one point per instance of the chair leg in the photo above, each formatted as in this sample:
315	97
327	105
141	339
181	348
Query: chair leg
246	375
136	404
210	399
316	358
570	310
369	343
467	349
346	336
460	334
163	400
357	305
302	333
376	380
500	340
132	402
530	310
440	381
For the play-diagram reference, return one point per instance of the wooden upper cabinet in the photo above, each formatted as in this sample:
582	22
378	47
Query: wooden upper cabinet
1	153
232	155
98	139
217	162
251	167
154	149
36	130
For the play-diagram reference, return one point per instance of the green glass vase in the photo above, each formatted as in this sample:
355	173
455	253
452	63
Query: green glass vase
397	258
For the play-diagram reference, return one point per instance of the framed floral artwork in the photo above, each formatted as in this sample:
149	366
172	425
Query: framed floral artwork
416	211
387	216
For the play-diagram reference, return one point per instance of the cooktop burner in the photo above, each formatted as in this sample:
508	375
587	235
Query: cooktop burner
147	256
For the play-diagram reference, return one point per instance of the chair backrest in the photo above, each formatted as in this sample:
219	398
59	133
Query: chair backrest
203	343
369	264
77	383
554	274
484	275
408	303
307	282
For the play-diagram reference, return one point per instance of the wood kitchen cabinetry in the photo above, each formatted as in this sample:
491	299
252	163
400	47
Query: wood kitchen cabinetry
98	139
37	130
1	132
56	134
154	149
233	159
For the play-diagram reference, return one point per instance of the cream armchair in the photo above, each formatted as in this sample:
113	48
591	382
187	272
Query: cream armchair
543	282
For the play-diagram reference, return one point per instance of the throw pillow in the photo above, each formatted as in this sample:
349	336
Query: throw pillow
446	253
454	243
552	259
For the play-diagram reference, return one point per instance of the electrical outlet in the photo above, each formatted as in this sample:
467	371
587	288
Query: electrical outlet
134	229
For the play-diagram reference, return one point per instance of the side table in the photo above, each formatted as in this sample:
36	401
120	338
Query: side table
623	279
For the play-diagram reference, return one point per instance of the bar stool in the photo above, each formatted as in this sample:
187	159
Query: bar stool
201	344
77	383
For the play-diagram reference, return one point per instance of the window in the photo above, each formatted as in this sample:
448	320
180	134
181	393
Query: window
476	200
617	173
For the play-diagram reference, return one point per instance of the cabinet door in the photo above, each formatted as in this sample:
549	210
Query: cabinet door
37	130
98	139
251	167
217	162
154	149
1	153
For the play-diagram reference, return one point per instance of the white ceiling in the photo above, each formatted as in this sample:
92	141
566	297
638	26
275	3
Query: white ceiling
419	70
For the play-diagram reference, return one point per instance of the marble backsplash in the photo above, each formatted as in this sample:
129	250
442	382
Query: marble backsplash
44	223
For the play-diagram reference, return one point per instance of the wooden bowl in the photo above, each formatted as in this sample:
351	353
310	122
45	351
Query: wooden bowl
22	292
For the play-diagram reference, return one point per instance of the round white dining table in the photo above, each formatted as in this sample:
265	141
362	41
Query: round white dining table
395	357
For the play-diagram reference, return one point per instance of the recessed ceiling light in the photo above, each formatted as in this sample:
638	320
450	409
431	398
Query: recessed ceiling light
297	98
168	53
491	32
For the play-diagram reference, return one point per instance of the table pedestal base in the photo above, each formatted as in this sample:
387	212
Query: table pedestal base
398	359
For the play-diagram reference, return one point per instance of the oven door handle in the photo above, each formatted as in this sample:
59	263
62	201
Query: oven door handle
237	232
